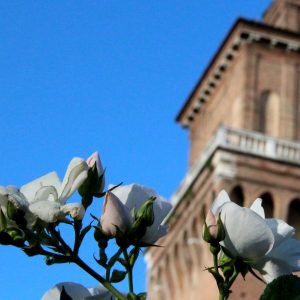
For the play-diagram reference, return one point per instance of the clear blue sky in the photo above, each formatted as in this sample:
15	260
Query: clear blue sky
107	75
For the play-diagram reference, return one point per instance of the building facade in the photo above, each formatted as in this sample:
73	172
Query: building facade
243	119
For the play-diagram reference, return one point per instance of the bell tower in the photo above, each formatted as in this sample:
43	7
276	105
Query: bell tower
243	119
284	14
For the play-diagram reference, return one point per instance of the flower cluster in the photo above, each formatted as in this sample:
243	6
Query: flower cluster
30	217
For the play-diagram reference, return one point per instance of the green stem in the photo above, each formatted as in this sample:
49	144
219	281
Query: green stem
216	263
98	277
221	296
79	262
129	271
77	228
216	269
111	263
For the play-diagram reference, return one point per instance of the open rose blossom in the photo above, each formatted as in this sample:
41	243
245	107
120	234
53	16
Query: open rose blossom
266	244
133	196
46	196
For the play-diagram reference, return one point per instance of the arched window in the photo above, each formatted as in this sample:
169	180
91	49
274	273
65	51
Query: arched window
267	204
294	216
237	196
269	113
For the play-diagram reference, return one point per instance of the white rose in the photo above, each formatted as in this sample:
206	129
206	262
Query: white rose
46	196
133	196
266	244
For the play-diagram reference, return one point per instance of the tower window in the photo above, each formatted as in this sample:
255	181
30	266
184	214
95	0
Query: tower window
267	204
269	113
294	216
237	195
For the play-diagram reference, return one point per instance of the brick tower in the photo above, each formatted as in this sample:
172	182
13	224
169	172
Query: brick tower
243	118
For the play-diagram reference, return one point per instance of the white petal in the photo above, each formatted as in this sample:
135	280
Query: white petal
12	189
115	213
3	196
75	290
272	268
281	230
256	206
287	251
95	158
153	234
46	193
221	199
75	175
100	293
48	211
247	234
133	195
30	189
75	210
18	200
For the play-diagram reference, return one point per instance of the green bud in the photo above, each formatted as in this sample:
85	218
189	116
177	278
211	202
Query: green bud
206	234
94	184
137	230
117	276
146	212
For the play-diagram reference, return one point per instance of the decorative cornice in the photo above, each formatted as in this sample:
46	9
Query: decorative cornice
256	33
238	141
